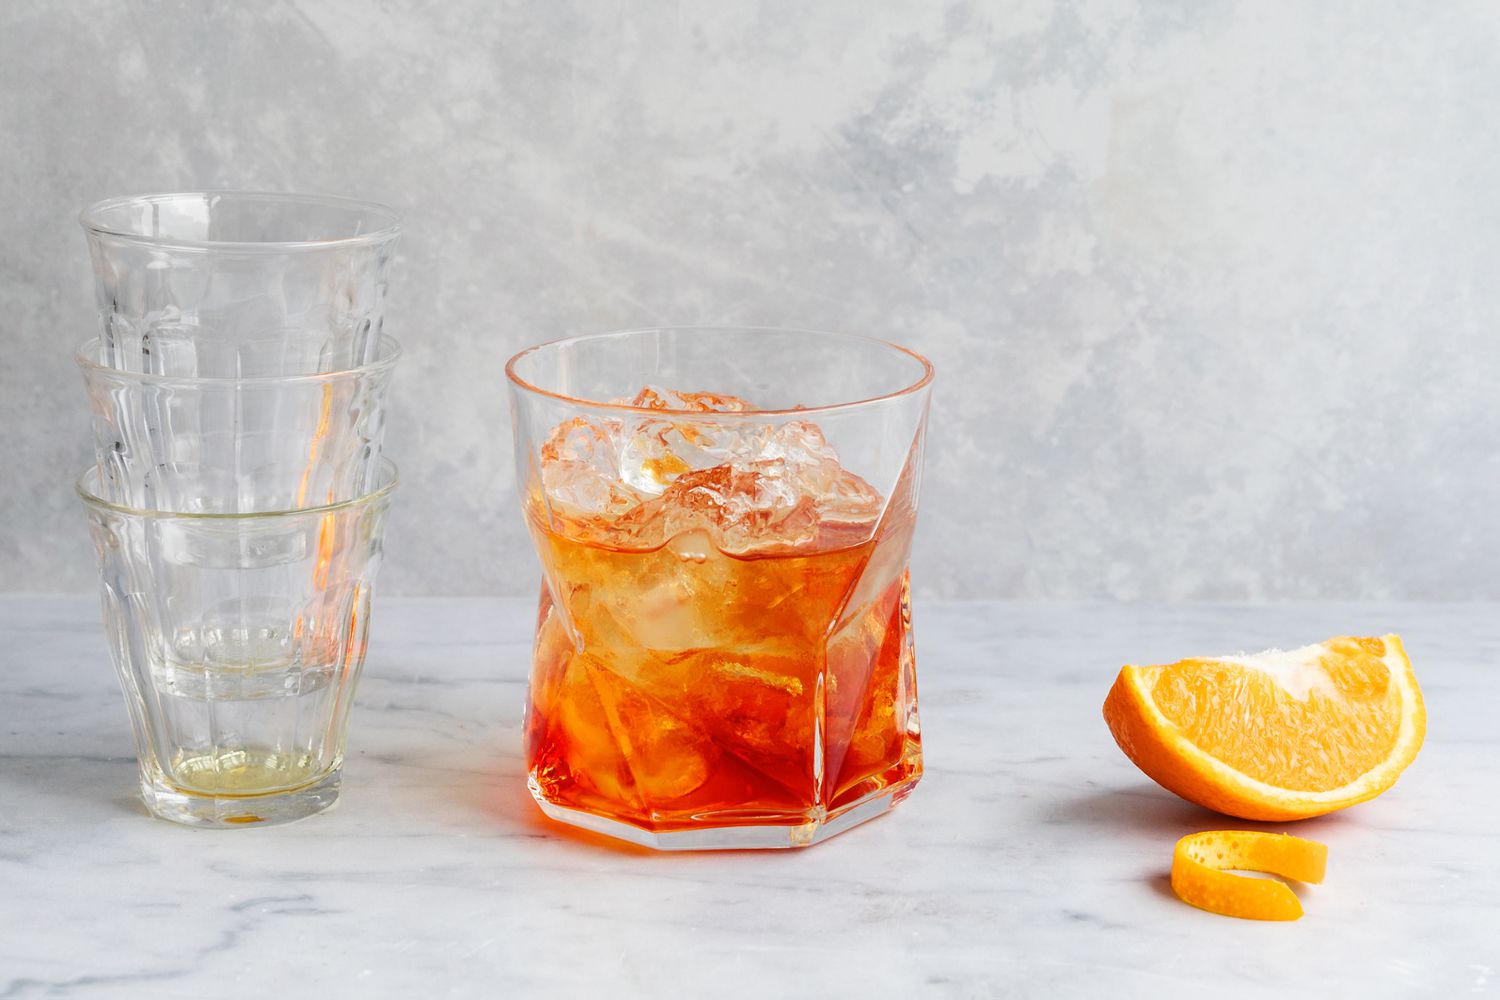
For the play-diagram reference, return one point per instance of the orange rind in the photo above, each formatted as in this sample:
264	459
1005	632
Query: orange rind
1200	879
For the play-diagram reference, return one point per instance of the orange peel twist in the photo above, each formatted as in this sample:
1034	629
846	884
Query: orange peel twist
1198	875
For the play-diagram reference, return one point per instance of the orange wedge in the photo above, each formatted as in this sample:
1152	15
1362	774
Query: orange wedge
1198	877
1275	736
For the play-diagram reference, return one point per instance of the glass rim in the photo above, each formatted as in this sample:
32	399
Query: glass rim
915	387
390	353
91	220
390	475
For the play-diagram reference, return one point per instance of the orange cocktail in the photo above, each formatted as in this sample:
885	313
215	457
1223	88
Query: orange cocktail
723	652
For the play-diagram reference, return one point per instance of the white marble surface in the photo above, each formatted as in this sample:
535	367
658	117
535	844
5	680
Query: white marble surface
1031	861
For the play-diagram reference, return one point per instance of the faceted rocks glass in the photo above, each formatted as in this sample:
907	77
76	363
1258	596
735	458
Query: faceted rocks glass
724	516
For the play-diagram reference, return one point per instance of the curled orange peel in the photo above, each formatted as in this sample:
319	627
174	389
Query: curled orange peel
1198	875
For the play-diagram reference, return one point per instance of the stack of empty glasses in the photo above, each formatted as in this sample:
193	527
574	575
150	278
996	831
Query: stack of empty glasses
238	391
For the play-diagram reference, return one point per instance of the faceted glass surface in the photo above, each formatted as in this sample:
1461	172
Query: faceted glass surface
238	639
237	445
239	284
724	653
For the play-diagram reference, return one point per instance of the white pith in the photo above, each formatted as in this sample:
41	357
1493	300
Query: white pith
1298	672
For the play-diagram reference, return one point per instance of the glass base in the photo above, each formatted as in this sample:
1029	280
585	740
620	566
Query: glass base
225	811
736	838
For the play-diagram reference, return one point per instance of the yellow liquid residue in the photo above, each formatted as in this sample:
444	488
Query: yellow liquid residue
244	772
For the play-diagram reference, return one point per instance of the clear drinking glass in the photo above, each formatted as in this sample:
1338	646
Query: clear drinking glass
236	445
225	284
724	652
238	639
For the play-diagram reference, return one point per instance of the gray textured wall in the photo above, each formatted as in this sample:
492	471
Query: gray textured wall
1208	284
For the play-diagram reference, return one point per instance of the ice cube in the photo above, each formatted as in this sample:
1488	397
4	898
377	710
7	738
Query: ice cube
698	402
814	469
582	490
581	471
799	442
750	486
756	703
667	756
656	451
742	505
582	440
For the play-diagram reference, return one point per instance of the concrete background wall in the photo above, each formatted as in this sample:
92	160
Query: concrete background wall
1208	284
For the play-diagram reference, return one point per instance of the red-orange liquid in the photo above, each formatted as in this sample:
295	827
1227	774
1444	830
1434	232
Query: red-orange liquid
684	687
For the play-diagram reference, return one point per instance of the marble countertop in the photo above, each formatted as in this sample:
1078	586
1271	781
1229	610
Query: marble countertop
1031	861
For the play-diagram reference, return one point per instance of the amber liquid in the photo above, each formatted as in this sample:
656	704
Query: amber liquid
243	772
684	687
